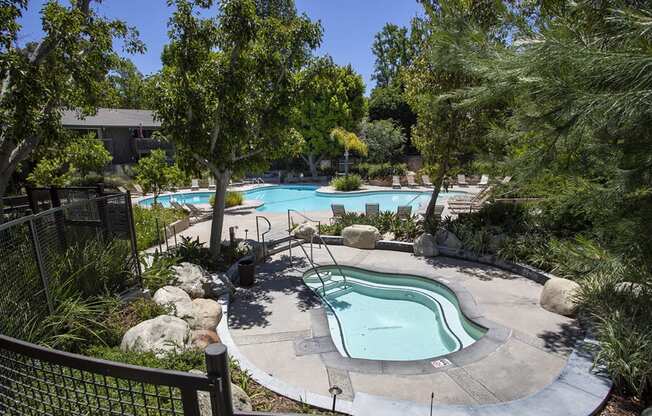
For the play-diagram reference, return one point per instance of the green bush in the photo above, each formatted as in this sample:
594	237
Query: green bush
158	272
232	199
380	170
347	183
180	361
120	317
145	224
386	222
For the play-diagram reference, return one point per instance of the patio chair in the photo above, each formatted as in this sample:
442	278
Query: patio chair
211	183
484	180
338	210
371	210
410	181
195	185
506	180
199	214
404	212
396	182
139	189
122	189
461	180
425	180
178	206
439	210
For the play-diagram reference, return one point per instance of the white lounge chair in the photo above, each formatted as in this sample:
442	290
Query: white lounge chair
211	183
484	180
122	189
461	180
396	182
404	212
195	185
139	189
178	206
425	180
410	181
338	210
371	210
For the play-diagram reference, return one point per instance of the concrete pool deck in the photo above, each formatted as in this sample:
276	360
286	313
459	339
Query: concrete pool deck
270	324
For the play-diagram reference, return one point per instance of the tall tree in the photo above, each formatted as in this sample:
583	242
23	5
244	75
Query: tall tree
127	88
227	87
394	48
65	70
330	96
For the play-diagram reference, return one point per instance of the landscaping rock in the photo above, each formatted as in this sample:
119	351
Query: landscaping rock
305	231
176	299
558	296
160	335
193	279
241	401
202	338
206	314
221	285
426	246
445	238
360	236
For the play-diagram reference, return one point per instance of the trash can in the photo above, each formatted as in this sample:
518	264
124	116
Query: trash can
246	272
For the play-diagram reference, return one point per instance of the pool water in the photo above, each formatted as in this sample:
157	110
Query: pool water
391	317
307	199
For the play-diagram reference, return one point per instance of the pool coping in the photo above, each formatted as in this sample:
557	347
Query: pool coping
580	389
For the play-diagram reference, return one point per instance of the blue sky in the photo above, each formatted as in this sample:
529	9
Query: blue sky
349	27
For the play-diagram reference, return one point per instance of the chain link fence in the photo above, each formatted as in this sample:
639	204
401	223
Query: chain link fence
38	252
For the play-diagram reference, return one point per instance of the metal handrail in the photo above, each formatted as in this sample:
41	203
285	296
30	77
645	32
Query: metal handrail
258	235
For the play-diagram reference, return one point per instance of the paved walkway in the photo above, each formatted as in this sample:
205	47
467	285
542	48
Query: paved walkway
269	321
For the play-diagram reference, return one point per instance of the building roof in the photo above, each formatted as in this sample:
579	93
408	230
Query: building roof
111	117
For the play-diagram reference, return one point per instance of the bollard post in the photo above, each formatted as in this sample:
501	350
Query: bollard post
217	369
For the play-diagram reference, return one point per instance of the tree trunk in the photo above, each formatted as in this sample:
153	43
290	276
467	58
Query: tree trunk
430	211
312	164
346	163
221	183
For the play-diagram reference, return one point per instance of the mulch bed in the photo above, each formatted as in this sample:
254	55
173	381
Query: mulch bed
621	406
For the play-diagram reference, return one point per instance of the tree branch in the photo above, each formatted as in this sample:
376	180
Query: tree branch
247	156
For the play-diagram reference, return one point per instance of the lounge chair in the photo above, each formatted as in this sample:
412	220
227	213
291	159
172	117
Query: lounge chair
139	189
338	210
506	180
371	210
439	210
198	213
178	206
459	205
404	212
195	185
410	181
425	180
122	189
211	183
484	180
396	182
461	180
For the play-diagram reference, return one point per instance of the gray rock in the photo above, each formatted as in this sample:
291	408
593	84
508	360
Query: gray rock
558	296
360	236
169	295
221	285
206	314
193	279
160	335
445	238
241	401
426	246
305	231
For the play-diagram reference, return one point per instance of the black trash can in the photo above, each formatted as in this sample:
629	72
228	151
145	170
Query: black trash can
246	271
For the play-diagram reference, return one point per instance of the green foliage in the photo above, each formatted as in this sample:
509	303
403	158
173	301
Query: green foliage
127	88
386	222
380	170
394	48
145	222
157	271
385	141
233	199
58	165
388	103
119	317
180	361
155	174
347	183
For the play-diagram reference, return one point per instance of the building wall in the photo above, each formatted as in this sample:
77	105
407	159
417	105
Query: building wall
123	146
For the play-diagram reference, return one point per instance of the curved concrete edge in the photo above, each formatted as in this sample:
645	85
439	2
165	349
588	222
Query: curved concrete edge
365	190
579	390
268	381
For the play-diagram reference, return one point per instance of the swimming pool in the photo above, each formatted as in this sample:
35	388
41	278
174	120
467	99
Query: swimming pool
306	199
379	316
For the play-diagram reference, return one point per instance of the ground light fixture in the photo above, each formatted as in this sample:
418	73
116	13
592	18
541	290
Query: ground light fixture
335	391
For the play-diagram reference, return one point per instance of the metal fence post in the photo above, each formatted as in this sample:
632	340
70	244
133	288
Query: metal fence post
101	208
40	264
217	368
59	217
132	236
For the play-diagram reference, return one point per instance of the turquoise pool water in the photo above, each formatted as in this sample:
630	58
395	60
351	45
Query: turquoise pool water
391	317
306	199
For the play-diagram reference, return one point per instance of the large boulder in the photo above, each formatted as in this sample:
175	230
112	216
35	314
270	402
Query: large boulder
176	299
558	296
206	314
241	401
426	246
221	285
160	335
361	236
193	279
305	231
446	239
202	338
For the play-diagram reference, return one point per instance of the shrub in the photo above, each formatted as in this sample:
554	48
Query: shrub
232	199
347	183
145	220
158	272
120	317
180	361
386	222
